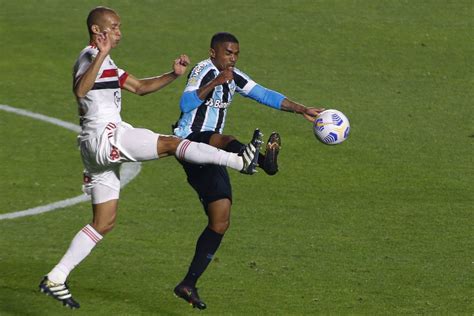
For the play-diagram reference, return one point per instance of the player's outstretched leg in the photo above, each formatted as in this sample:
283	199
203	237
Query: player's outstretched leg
189	294
270	165
59	291
251	152
201	153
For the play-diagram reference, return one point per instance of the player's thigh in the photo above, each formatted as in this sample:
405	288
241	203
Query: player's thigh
202	137
102	184
137	144
212	183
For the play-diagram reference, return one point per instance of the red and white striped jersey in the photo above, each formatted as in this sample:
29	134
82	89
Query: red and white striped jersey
102	104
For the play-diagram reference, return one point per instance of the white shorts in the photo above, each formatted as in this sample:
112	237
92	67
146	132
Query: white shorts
103	155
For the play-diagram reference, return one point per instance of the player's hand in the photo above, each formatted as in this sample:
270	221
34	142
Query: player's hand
103	42
180	64
311	113
224	76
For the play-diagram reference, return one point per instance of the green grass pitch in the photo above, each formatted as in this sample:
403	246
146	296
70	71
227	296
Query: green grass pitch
381	224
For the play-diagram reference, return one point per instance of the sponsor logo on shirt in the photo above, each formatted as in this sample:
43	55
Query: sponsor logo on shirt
197	70
216	103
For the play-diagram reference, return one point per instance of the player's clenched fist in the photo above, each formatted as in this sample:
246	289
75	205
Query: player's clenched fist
225	75
180	64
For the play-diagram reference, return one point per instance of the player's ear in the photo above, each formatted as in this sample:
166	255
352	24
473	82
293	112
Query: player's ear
95	29
212	53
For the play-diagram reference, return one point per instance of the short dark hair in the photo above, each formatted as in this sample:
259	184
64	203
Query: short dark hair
223	37
97	14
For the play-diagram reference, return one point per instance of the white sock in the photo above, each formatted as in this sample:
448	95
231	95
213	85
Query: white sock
80	247
200	153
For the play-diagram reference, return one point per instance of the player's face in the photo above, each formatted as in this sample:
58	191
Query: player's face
225	55
111	25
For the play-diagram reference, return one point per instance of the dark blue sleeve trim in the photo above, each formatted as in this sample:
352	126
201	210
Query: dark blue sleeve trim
189	101
266	96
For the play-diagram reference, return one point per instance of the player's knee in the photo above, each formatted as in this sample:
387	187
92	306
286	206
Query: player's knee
104	227
227	138
220	227
167	145
109	227
221	141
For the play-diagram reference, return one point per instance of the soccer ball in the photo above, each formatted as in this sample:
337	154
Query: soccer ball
331	127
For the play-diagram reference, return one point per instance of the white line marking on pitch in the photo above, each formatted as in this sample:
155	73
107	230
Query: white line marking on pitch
128	171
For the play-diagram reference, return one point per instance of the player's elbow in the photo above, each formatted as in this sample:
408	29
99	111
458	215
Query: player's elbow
182	105
140	92
266	96
81	88
78	92
189	101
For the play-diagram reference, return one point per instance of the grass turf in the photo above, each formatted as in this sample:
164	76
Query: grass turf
381	224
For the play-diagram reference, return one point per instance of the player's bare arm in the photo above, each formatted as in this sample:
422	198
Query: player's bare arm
87	80
223	77
309	113
149	85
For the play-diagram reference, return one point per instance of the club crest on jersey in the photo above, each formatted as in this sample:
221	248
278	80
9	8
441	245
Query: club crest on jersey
192	81
117	98
216	103
114	153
